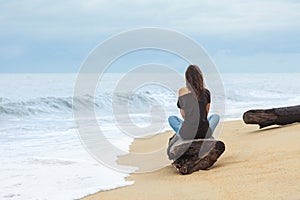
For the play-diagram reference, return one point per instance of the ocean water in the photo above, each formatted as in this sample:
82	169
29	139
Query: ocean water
41	154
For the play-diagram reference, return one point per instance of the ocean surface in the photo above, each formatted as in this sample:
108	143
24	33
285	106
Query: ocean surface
41	154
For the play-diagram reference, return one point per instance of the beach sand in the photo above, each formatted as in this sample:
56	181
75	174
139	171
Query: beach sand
257	164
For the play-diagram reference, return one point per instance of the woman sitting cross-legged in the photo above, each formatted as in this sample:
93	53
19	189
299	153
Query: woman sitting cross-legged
194	104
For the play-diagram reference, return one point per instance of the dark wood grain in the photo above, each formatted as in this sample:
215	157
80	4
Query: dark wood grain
274	116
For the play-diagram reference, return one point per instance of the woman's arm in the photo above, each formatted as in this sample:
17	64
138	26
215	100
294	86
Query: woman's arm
182	91
182	113
207	108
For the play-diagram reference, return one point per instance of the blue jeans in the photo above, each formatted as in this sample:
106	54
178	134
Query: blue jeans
175	122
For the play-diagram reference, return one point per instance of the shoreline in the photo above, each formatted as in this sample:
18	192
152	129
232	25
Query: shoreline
257	163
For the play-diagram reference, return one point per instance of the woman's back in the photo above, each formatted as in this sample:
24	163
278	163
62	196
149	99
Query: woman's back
195	124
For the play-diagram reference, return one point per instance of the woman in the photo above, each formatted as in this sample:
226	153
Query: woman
194	104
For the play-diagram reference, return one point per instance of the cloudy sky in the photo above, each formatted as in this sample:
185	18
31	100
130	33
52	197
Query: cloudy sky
241	36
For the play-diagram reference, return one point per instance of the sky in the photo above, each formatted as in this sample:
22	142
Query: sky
257	36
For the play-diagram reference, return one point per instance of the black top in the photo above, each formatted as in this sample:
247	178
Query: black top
195	124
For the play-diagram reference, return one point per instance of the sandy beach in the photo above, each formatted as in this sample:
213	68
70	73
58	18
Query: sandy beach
257	164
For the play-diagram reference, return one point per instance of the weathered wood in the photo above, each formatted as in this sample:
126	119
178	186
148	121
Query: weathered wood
195	155
274	116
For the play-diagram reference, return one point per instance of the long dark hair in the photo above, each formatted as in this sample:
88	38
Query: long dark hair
194	80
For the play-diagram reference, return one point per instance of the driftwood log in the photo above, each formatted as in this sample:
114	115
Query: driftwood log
194	155
274	116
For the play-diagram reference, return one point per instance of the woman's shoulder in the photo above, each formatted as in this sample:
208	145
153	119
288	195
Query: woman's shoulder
207	95
207	91
183	91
